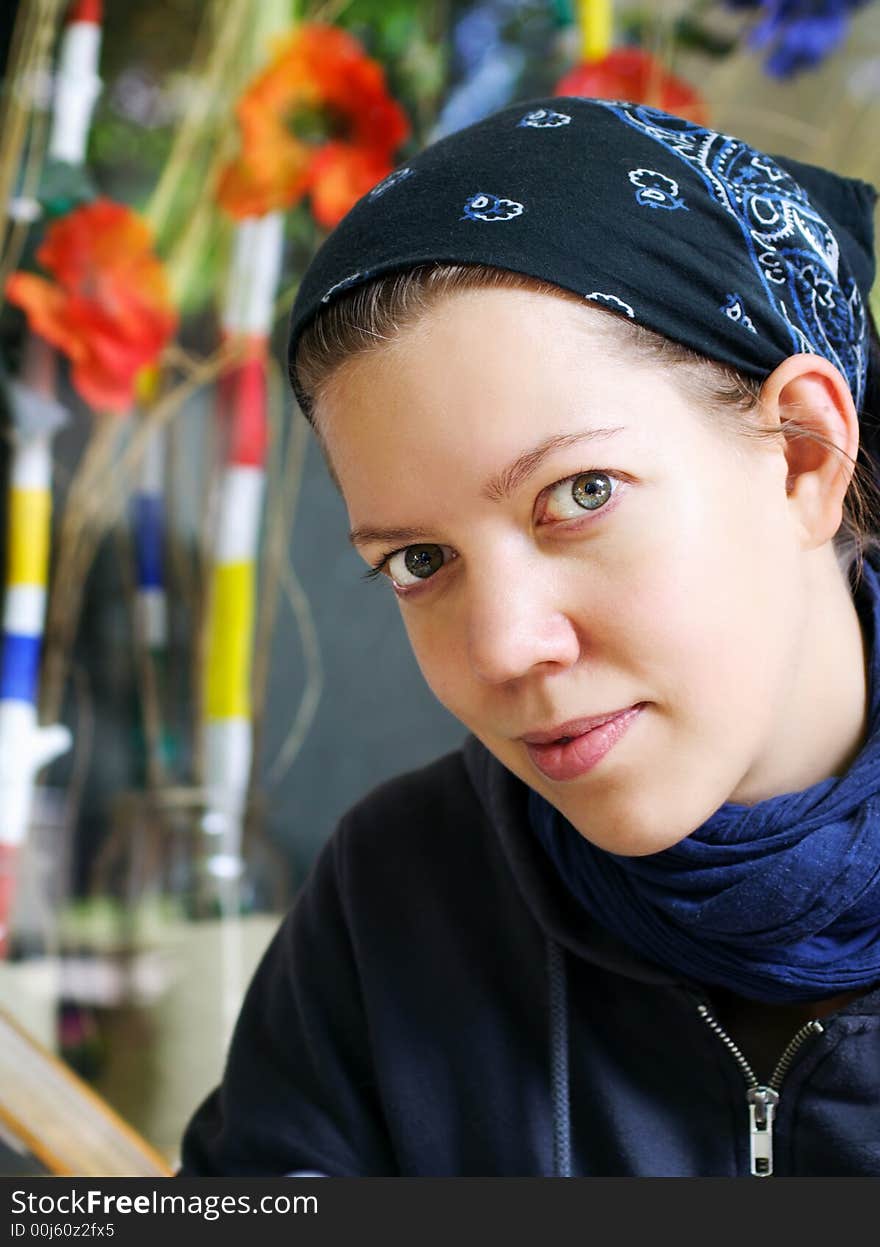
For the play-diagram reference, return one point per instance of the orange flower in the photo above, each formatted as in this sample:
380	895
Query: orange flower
109	308
318	120
634	75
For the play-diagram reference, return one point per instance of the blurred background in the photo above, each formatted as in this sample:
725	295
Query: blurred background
196	682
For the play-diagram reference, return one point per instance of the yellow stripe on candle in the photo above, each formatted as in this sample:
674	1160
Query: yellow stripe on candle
230	637
30	512
595	18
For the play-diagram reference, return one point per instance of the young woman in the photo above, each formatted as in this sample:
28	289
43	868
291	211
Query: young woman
596	385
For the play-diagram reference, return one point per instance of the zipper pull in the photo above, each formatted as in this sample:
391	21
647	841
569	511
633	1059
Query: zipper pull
762	1103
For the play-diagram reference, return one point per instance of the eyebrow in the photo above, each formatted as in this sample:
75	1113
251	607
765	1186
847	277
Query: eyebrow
497	488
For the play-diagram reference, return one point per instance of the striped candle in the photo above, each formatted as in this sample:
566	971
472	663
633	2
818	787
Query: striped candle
254	274
25	748
77	84
148	508
148	523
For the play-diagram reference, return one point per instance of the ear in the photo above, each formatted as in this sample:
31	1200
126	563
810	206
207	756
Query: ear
807	394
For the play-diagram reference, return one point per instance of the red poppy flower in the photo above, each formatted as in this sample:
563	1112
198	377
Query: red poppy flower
109	309
633	74
319	121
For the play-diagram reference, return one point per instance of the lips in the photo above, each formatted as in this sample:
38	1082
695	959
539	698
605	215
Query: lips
562	760
571	728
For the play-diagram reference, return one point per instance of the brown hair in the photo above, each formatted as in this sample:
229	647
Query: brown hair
377	312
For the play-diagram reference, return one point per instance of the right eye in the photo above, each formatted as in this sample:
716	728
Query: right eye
414	564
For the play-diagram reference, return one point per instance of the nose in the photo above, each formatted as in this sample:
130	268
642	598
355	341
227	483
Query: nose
518	621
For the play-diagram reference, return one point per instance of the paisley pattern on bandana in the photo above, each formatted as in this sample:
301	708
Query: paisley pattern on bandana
734	310
792	249
544	118
745	257
342	285
656	190
483	207
611	301
399	175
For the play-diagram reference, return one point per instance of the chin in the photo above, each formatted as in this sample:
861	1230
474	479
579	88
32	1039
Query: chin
630	841
628	828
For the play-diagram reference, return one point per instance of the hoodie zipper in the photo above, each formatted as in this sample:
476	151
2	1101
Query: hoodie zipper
762	1099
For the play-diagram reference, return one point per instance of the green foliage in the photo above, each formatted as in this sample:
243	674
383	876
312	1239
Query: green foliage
126	158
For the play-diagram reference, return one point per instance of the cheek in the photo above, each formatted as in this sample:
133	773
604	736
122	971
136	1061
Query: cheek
719	619
701	603
437	652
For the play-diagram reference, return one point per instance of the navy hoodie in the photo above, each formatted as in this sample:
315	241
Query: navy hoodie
437	1004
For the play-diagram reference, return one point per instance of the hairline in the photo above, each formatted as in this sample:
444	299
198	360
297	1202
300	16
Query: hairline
628	342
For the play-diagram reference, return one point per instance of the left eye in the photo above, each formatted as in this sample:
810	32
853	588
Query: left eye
586	492
414	563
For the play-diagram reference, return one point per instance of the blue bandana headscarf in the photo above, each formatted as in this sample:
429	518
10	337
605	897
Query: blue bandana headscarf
779	901
746	258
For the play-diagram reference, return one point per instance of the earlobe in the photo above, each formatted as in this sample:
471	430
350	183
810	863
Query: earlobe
810	400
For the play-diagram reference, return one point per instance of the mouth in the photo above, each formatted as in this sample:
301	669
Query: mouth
575	747
572	728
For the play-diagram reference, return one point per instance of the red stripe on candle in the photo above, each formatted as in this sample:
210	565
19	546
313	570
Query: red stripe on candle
85	11
249	434
241	405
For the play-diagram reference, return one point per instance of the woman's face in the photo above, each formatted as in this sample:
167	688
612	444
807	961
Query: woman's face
570	539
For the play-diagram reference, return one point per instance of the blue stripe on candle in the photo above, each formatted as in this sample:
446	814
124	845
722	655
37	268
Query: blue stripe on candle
20	667
148	524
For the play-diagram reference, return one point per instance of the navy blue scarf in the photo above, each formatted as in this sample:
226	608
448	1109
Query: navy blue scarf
779	901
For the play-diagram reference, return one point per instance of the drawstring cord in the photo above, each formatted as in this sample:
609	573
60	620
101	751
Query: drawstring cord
559	1079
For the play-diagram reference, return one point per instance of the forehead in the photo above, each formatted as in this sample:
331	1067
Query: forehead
497	338
478	377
